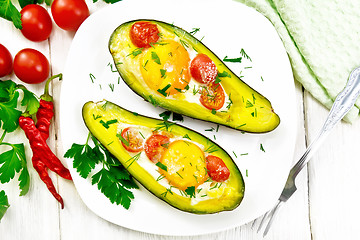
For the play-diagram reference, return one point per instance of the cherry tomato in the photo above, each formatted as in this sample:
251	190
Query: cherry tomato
217	169
36	23
31	66
213	96
142	34
155	145
6	61
69	14
133	140
203	69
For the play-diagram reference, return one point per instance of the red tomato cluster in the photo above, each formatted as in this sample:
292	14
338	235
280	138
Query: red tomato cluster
157	144
202	68
29	65
67	14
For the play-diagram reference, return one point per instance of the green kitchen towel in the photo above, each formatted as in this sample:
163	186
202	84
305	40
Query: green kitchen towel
322	39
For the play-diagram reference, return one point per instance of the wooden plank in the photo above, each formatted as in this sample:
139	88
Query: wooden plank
34	216
333	178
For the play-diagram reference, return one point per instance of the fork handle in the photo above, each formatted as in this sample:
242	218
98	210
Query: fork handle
342	104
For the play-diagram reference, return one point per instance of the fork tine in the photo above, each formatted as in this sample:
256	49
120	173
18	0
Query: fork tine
263	220
273	213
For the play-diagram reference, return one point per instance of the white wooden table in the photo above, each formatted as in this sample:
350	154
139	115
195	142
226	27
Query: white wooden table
326	205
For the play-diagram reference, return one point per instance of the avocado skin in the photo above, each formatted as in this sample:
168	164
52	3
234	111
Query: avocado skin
260	117
107	137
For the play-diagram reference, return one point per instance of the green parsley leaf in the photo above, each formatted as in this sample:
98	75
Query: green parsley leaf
10	12
163	73
4	204
30	101
177	117
11	162
155	57
9	115
190	191
7	90
165	115
85	158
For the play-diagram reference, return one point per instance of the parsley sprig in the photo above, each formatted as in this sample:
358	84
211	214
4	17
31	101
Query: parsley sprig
113	180
13	159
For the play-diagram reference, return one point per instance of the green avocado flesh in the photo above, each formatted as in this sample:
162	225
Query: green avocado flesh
106	121
245	109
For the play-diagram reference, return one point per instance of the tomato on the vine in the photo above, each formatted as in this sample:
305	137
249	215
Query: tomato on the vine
36	23
69	14
203	69
142	34
155	145
217	169
212	96
6	61
31	66
132	140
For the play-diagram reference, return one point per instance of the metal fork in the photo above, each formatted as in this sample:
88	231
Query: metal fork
342	104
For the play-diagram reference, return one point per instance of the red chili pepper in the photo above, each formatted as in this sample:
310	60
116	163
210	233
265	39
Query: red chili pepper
43	157
46	110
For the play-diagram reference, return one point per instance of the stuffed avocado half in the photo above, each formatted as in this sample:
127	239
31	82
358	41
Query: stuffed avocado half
170	68
176	164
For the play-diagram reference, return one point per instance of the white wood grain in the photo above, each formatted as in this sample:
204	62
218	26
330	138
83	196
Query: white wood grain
334	178
36	215
324	207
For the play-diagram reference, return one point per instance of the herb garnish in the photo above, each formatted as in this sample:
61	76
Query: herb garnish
163	91
262	147
112	179
162	166
4	204
135	52
108	123
92	77
155	57
243	53
226	59
190	191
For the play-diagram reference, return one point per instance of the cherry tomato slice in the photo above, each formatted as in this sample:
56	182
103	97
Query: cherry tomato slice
203	69
142	34
217	169
133	140
155	145
36	23
213	96
31	66
6	61
69	14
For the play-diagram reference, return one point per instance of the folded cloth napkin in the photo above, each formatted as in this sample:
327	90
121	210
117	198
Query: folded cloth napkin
322	39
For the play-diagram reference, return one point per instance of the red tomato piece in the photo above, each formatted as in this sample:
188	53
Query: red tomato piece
133	140
69	14
31	66
142	34
6	61
36	23
203	69
213	96
217	169
155	145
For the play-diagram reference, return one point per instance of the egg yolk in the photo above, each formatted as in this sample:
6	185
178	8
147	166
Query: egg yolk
165	67
185	164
